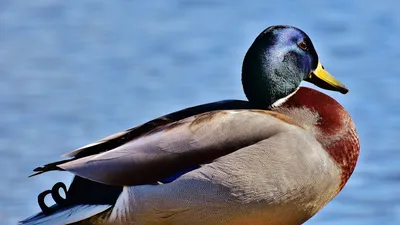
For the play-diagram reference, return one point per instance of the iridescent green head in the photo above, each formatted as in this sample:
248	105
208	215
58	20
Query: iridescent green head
277	61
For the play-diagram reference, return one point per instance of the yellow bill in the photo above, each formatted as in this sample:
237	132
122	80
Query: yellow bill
321	78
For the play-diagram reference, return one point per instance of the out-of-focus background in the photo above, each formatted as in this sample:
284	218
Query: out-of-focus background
72	72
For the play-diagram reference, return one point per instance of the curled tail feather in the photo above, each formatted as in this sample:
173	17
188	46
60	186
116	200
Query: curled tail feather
83	200
67	215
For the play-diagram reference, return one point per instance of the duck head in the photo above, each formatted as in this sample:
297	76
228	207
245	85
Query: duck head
277	61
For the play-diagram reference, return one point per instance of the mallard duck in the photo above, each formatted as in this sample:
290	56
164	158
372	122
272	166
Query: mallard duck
277	158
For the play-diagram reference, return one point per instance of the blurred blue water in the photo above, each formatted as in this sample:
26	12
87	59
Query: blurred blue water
72	72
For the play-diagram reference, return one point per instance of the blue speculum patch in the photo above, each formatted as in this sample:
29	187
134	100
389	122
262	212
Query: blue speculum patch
177	175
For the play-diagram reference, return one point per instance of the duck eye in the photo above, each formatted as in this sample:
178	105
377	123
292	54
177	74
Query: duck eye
303	45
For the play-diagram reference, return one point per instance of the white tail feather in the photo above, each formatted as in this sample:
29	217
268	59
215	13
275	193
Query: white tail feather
66	216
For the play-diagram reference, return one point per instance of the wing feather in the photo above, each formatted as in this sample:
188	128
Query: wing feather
195	140
119	139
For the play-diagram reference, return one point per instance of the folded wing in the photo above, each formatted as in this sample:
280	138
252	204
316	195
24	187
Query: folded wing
177	146
123	137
